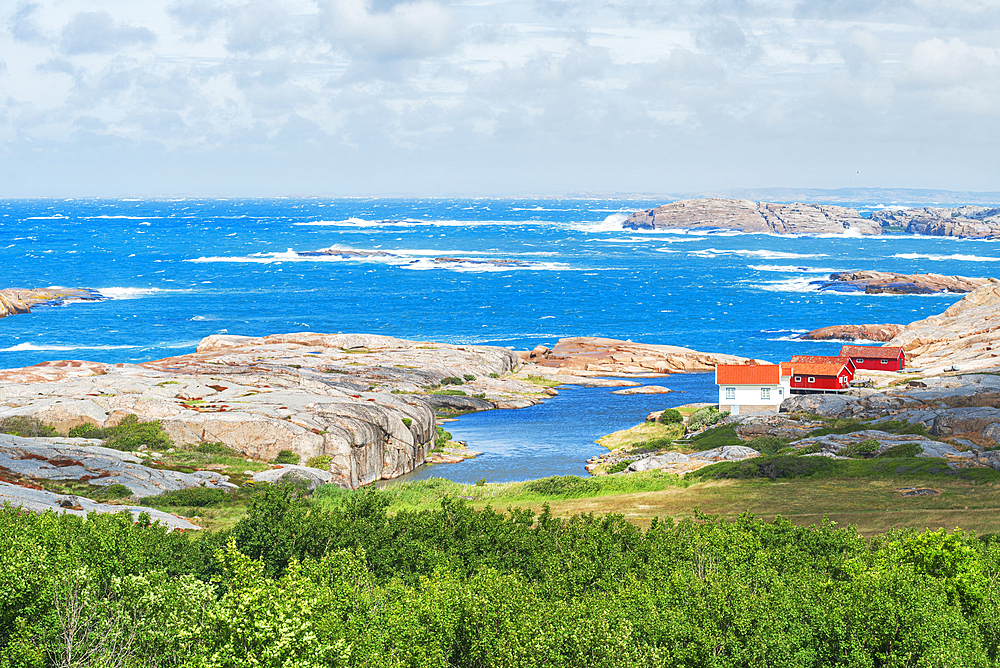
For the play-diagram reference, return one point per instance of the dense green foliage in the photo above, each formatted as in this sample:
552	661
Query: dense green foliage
320	462
705	417
670	416
299	584
287	457
130	434
23	425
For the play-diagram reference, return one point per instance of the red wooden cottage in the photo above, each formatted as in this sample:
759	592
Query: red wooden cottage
811	377
827	359
885	358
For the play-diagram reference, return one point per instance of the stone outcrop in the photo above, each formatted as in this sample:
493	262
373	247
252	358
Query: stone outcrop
878	333
965	337
39	501
753	217
596	356
975	222
887	282
85	461
18	300
356	398
832	445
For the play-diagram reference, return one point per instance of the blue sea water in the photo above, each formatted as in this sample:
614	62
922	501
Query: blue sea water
174	271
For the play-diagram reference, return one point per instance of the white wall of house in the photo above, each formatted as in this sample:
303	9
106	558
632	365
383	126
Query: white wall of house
751	395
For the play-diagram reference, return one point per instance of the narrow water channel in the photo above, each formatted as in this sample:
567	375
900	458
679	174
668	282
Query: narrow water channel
557	436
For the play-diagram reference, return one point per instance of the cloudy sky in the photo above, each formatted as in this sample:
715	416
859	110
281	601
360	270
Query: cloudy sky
439	97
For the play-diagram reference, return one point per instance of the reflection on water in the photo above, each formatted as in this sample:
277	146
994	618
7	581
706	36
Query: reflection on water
557	436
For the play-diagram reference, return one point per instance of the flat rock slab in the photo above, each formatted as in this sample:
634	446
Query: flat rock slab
39	501
833	444
727	453
614	357
645	389
82	460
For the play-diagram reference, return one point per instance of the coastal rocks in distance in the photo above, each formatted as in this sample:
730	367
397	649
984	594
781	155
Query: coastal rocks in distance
597	356
18	300
965	337
644	389
879	333
354	397
40	501
886	282
974	222
753	217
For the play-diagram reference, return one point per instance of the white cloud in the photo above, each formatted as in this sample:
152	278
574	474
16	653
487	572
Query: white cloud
938	64
97	32
404	30
862	47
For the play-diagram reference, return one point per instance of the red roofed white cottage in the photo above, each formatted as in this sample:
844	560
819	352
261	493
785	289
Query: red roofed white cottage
752	388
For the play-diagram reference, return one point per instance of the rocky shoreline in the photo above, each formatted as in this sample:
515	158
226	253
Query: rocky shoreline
20	300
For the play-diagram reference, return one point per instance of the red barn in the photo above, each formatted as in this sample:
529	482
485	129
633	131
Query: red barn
834	377
827	359
885	358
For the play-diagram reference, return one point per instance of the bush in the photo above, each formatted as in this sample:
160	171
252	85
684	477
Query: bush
116	491
705	417
130	434
442	438
23	425
320	462
717	437
198	497
781	466
768	445
562	486
452	380
408	422
619	467
86	430
216	448
670	416
861	449
904	450
287	457
469	376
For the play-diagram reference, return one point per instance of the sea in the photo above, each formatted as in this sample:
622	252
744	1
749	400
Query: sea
494	271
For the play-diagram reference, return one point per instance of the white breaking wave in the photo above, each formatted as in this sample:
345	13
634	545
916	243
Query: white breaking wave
106	217
129	293
791	268
763	254
415	222
611	223
426	264
956	256
21	347
790	285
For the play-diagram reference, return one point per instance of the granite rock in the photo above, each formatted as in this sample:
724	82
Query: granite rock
975	222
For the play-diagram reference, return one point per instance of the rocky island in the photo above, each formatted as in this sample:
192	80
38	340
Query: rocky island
973	222
753	217
20	300
887	282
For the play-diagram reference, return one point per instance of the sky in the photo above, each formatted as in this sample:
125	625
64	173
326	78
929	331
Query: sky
494	97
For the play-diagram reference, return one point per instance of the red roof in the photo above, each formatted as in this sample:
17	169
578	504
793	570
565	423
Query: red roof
871	352
822	359
803	369
747	374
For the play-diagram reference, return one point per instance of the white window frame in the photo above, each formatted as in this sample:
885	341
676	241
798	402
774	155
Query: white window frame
798	379
885	361
765	394
860	361
730	393
812	379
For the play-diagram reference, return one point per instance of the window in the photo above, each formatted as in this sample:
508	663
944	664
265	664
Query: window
798	379
730	393
811	379
765	393
781	392
860	361
885	361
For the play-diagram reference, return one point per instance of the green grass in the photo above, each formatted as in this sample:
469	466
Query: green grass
715	438
541	381
645	436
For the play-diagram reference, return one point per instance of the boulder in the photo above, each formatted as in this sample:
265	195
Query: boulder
826	405
306	476
879	333
726	453
657	462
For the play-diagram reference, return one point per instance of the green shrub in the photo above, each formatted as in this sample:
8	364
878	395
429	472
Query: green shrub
670	416
216	448
86	430
562	486
442	438
861	449
481	482
320	462
810	449
130	434
717	437
768	445
705	417
408	422
494	375
781	466
452	380
469	376
197	497
903	450
24	425
619	467
287	457
902	427
116	491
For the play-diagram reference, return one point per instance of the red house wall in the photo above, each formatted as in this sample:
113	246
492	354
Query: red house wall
896	364
822	382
